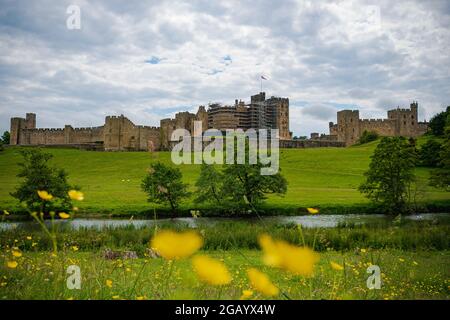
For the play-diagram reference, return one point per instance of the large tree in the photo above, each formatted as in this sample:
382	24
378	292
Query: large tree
441	177
6	137
38	175
391	174
438	122
245	185
209	185
163	185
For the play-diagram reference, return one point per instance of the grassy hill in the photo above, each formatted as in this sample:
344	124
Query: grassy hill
326	177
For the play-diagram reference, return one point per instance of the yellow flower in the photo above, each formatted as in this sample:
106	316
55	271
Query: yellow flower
415	263
261	282
75	248
6	212
109	283
176	245
297	260
44	195
211	270
140	298
401	260
29	238
336	266
363	250
116	297
246	294
76	195
312	210
12	264
64	215
16	253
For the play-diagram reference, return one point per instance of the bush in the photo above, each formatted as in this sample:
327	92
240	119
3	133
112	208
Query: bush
368	136
438	122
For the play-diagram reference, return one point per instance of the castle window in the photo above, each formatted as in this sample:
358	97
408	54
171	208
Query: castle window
412	123
351	120
404	122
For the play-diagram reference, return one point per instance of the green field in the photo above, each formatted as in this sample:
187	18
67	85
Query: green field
325	177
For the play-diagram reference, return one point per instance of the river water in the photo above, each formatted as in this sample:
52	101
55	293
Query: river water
308	221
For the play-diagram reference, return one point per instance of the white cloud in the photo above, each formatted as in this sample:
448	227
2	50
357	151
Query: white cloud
326	55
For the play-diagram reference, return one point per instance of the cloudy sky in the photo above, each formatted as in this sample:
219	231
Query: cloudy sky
150	59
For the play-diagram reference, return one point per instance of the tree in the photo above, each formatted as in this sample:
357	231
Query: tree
438	122
245	185
368	136
429	153
209	185
6	137
441	177
391	174
163	185
39	176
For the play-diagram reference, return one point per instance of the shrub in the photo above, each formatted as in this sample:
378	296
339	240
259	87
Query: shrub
368	136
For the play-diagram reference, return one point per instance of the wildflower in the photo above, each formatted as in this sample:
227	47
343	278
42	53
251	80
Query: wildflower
76	195
312	210
64	215
415	263
16	253
176	245
297	260
336	266
75	248
246	294
44	195
29	238
6	213
211	270
261	282
12	264
140	298
401	259
116	297
363	250
109	283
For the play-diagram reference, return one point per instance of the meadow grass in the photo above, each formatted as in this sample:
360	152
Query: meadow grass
405	275
325	177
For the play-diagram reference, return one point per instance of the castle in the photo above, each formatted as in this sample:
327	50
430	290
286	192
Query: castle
120	134
399	122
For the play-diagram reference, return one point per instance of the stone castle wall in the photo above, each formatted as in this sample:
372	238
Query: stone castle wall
400	122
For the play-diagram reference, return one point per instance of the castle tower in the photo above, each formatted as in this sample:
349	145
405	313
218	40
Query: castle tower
348	126
30	121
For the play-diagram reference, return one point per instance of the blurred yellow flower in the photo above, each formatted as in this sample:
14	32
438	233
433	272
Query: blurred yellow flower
75	248
297	260
116	297
64	215
140	298
16	253
401	259
6	212
211	270
363	250
76	195
29	238
44	195
109	283
415	263
246	294
336	266
312	210
261	282
12	264
176	245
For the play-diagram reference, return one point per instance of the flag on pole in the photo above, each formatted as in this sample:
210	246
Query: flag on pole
264	78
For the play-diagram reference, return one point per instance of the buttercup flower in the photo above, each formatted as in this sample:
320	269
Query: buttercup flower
176	245
261	282
12	264
336	266
64	215
246	294
16	253
76	195
44	195
6	212
109	283
312	210
211	271
297	260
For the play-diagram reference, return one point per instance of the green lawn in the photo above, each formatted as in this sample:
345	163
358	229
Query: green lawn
111	180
